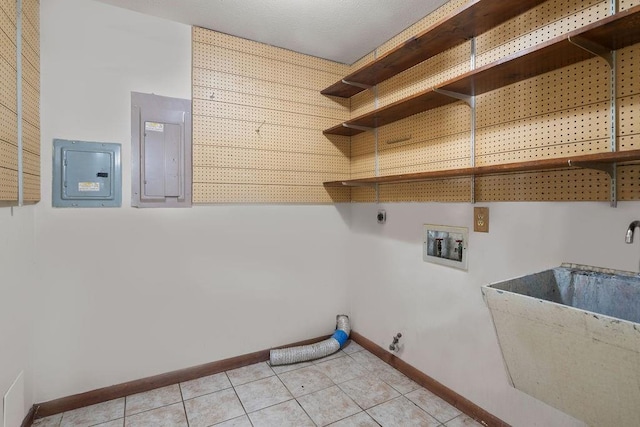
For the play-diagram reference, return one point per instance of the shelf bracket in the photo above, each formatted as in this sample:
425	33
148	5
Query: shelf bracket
610	57
362	128
610	168
356	84
468	99
594	48
360	184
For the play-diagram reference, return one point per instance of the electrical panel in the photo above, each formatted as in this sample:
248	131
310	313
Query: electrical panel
161	151
86	174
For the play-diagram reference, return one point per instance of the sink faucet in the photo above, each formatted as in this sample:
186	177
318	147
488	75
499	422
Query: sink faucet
632	227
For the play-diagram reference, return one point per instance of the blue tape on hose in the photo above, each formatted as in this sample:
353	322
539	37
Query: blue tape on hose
340	336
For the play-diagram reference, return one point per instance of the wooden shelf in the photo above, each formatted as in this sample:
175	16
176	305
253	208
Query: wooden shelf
611	33
414	104
469	21
587	161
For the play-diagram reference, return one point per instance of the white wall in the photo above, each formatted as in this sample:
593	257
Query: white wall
17	293
446	327
129	293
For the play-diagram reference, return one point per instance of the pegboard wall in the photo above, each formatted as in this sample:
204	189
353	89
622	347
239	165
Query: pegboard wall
258	117
8	104
557	114
31	99
30	84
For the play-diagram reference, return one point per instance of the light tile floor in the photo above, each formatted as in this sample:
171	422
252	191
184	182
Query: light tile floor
347	389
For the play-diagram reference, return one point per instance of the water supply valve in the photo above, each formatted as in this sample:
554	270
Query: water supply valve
395	346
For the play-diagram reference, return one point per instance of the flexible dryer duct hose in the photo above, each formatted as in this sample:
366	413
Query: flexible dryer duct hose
303	353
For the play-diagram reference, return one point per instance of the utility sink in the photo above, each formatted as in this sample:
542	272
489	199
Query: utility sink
570	337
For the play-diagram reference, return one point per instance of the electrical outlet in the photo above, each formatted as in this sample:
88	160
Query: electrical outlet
481	220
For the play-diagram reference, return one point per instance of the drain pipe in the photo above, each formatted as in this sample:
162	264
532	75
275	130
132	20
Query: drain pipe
303	353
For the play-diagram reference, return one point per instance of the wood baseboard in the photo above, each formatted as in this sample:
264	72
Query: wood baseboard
117	391
28	419
440	390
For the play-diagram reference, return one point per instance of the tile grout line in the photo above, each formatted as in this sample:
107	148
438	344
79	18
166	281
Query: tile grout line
252	381
238	397
304	410
396	390
124	412
275	404
184	406
294	398
149	410
365	410
246	414
423	410
367	371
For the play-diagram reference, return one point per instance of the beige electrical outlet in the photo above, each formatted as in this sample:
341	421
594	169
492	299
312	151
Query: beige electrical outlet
481	220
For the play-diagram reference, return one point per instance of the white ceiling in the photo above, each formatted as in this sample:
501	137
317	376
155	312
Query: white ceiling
340	30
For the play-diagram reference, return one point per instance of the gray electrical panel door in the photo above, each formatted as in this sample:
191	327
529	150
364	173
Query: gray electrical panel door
162	160
161	151
86	174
